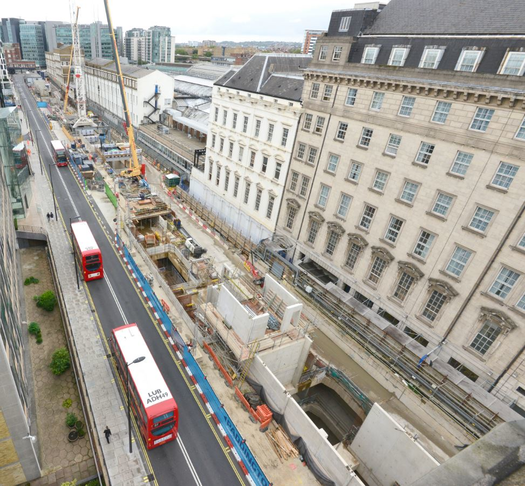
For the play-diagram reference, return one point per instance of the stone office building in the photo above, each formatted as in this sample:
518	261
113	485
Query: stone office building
411	149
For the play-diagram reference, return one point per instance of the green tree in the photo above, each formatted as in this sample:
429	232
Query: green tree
46	301
182	52
208	54
60	361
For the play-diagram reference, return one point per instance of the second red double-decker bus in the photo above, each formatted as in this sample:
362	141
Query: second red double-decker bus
87	252
151	400
59	153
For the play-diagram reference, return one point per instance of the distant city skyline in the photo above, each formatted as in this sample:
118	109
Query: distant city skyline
233	20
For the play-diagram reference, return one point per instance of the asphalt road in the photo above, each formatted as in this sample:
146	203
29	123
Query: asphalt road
200	455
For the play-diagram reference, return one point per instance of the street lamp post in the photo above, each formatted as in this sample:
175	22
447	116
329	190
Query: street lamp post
53	190
137	360
74	254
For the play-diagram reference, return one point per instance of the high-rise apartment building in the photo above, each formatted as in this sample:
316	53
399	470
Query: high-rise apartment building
135	45
50	34
253	122
160	45
32	41
413	140
11	30
95	40
310	38
119	37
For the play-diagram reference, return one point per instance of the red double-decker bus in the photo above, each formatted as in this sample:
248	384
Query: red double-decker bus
87	252
59	153
151	400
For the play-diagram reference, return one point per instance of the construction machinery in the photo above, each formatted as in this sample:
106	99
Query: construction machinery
66	97
134	169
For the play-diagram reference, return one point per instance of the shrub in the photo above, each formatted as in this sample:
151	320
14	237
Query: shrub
60	361
67	403
71	419
46	301
34	328
39	339
31	280
70	483
93	482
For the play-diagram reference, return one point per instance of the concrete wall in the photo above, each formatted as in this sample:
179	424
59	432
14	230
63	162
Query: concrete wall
387	454
246	326
294	307
323	453
287	362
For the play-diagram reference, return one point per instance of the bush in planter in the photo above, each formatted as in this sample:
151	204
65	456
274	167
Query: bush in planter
81	433
33	328
79	425
71	419
67	403
39	338
46	301
31	280
60	361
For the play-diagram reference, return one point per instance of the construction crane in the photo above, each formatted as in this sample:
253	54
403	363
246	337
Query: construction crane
134	169
66	97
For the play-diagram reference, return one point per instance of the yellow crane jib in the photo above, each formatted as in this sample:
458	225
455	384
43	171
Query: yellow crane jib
69	70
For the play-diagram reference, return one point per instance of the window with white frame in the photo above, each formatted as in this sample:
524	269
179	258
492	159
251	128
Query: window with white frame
230	150
247	192
301	149
284	138
236	186
338	50
367	217
403	286
485	337
394	229
344	24
226	180
425	152
521	131
323	51
257	128
469	60
210	171
327	92
331	242
409	192
324	192
377	269
442	204
234	121
441	112
505	175
398	56
314	230
351	96
252	159
319	124
370	55
514	64
341	131
269	210
294	179
423	244
355	171
431	57
521	303
392	146
308	118
241	153
221	145
504	283
481	119
305	182
434	305
377	101
224	117
353	254
245	124
407	105
270	132
278	168
344	205
461	163
312	155
380	181
333	161
218	175
366	136
213	140
314	93
290	217
458	261
264	166
481	219
216	115
521	243
258	197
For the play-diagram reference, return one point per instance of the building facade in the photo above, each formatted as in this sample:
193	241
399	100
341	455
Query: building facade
310	38
50	34
57	62
413	140
32	41
142	87
160	45
95	40
135	45
11	30
253	122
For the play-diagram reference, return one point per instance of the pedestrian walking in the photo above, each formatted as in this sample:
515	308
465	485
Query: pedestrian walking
107	433
51	215
48	216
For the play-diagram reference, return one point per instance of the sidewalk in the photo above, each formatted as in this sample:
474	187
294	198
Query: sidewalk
123	468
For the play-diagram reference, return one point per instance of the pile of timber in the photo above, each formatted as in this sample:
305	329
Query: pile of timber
281	443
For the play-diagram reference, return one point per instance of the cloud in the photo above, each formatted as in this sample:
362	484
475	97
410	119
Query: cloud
240	19
295	21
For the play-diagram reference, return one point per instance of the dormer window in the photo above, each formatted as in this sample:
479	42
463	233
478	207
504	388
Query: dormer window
431	57
513	64
345	24
469	60
398	56
370	55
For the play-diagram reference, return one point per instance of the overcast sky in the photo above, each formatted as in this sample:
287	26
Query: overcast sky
235	20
